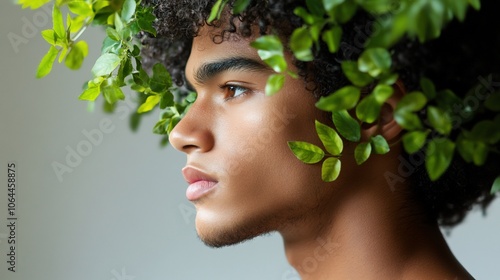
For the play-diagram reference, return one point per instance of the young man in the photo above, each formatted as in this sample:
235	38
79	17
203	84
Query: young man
245	181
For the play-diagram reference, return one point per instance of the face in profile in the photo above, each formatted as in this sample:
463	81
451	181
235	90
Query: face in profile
244	180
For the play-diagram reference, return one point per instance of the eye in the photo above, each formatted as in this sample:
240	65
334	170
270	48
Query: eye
233	91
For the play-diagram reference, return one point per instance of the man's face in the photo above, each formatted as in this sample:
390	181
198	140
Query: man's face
246	181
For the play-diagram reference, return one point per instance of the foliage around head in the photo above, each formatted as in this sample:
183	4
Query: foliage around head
351	51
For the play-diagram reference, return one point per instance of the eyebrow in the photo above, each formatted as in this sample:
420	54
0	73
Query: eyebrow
211	69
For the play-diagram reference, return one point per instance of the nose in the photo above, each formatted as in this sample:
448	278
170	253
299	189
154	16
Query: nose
193	133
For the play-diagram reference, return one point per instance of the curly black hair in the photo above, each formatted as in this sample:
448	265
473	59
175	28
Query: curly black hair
464	55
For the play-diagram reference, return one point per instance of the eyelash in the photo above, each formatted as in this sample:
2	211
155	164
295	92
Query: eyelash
233	88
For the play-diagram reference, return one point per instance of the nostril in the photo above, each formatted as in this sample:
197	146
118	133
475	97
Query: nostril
187	148
187	138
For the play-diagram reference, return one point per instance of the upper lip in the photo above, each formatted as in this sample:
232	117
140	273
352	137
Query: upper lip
192	175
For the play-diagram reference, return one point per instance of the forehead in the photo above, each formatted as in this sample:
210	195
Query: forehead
204	49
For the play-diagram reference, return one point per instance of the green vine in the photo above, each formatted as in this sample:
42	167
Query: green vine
429	116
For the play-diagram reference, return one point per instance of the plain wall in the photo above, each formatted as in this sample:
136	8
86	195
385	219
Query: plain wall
121	213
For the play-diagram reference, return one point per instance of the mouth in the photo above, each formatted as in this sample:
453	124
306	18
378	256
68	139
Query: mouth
199	182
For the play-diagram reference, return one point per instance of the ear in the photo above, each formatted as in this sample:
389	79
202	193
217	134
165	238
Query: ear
386	125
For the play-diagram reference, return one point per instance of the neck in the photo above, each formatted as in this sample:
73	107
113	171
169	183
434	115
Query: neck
369	232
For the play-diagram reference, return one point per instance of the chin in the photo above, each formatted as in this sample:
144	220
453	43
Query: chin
217	234
223	239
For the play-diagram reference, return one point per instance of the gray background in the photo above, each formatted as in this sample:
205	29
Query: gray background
121	214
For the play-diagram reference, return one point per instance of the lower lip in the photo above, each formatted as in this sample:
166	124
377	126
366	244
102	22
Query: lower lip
199	189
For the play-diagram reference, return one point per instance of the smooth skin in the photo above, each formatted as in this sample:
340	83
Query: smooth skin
353	228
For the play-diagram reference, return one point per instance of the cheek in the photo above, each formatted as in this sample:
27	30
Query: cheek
259	166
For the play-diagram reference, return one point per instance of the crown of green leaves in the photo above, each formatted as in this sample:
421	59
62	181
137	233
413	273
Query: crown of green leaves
120	65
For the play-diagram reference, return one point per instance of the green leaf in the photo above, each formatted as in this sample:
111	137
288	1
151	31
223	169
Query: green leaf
269	43
476	4
128	10
377	6
167	100
50	36
191	97
304	15
109	45
173	122
448	100
330	139
216	10
330	169
344	12
75	57
81	8
125	69
382	93
346	125
62	53
150	103
472	150
486	131
301	43
330	4
141	78
315	30
161	127
459	8
480	154
343	99
428	88
58	24
388	79
112	93
379	145
493	102
105	64
164	141
439	119
332	38
108	108
413	102
306	152
438	157
76	24
93	89
496	186
368	110
426	20
270	50
358	78
316	7
240	6
32	4
118	23
274	83
45	65
407	120
161	79
111	32
90	94
145	19
375	61
362	152
101	4
413	141
277	63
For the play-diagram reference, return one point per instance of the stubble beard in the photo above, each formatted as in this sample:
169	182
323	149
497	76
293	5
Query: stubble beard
236	233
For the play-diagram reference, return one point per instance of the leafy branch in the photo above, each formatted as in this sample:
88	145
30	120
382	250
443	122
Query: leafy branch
420	19
119	64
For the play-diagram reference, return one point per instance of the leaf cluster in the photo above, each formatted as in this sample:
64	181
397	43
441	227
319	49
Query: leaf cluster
427	115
